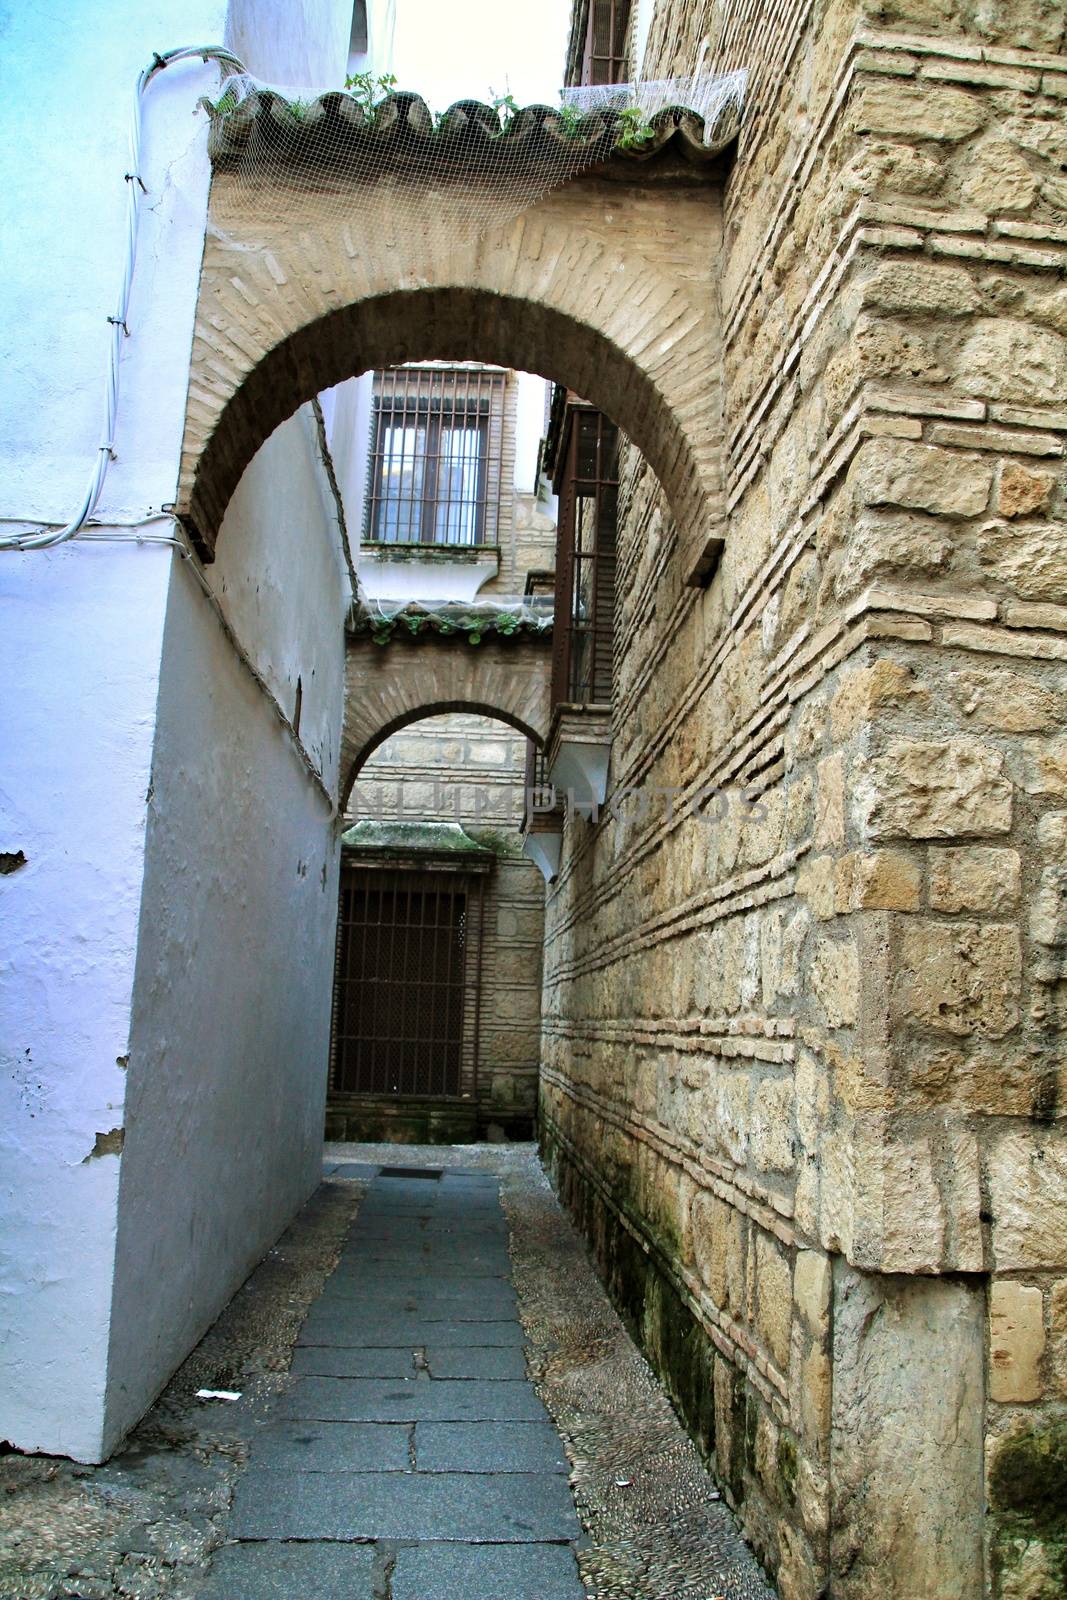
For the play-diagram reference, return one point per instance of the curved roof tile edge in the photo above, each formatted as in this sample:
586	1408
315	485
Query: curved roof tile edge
402	123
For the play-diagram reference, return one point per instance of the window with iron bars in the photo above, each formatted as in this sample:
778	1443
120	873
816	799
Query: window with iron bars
606	33
436	450
584	631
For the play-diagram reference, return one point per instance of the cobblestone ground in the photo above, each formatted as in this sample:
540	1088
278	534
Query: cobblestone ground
384	1447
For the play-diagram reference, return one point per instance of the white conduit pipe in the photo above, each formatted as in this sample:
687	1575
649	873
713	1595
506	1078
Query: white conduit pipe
43	538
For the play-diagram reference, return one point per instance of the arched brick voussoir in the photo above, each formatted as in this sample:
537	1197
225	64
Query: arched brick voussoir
389	686
438	324
579	290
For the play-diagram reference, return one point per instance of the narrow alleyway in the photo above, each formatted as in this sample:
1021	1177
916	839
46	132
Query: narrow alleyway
425	1393
411	1454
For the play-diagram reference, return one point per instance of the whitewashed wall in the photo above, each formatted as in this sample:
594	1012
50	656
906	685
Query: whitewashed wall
79	656
85	665
80	684
230	1034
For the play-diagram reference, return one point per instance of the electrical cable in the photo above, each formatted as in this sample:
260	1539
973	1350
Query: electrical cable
48	535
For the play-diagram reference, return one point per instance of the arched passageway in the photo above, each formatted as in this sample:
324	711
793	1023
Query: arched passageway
386	690
605	286
437	991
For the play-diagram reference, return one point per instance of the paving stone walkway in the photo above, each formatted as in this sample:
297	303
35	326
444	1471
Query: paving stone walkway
410	1457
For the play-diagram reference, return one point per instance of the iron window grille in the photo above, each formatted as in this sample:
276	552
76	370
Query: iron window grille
584	631
436	449
407	992
539	795
607	31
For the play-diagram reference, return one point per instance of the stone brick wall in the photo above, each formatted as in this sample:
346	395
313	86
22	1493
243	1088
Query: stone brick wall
804	1068
470	770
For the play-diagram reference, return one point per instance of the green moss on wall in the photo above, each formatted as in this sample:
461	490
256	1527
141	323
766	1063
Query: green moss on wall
1028	1499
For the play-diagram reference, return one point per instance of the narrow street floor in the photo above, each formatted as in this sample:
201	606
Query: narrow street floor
434	1399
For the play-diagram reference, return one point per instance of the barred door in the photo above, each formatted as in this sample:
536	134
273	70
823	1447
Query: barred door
402	1004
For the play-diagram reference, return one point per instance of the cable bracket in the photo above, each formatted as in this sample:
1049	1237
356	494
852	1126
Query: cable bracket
135	177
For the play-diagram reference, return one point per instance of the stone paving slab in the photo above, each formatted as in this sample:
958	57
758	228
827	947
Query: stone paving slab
493	1296
337	1361
472	1361
383	1400
486	1572
277	1571
500	1508
422	1311
489	1447
367	1267
342	1328
333	1447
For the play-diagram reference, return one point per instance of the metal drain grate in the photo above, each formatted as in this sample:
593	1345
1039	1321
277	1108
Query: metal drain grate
409	1172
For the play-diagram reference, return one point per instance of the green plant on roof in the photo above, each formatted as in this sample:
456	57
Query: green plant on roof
228	101
570	120
300	108
634	129
369	91
506	107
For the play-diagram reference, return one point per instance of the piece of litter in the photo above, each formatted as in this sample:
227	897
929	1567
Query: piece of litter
623	1483
714	1495
218	1394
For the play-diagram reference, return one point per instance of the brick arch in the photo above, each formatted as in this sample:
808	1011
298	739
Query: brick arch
605	287
387	687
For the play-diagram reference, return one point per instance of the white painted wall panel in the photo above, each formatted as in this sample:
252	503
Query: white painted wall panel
79	662
280	577
228	1051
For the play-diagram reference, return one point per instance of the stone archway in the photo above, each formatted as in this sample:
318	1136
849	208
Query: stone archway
606	286
387	688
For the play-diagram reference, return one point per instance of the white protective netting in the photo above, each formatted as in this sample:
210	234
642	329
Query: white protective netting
285	156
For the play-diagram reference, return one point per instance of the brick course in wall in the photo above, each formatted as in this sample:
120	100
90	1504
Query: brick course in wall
807	1051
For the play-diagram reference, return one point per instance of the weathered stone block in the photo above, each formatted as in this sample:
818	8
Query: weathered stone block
1023	490
718	1248
958	977
921	287
1027	1178
900	1207
973	878
1045	768
906	1465
884	880
774	1298
1048	912
772	1144
1004	358
835	978
866	690
812	1284
918	112
1059	1334
1016	1341
1052	835
889	542
1010	702
830	802
922	790
996	178
921	477
1032	561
